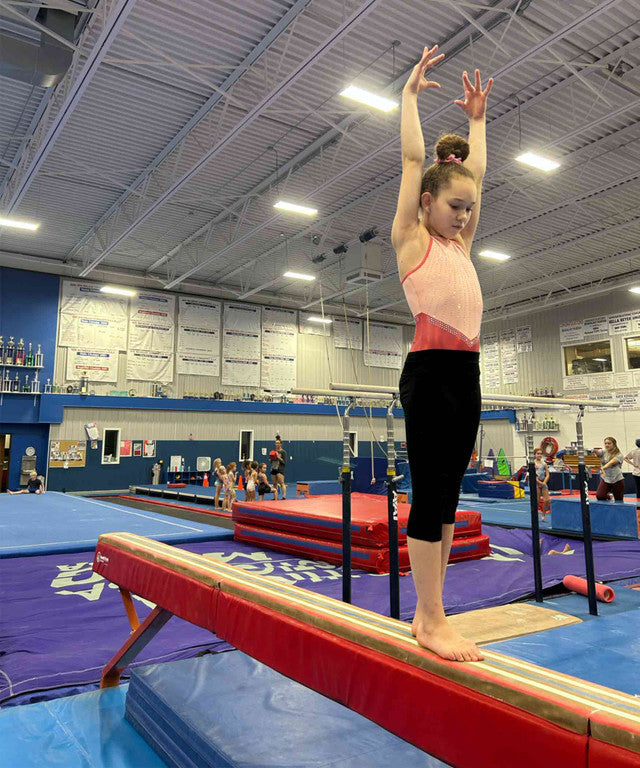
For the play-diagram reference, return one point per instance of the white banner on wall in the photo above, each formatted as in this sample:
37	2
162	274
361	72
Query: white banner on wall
347	335
99	365
279	349
571	332
491	361
151	322
84	299
150	366
623	380
309	328
240	372
93	332
524	338
596	327
199	327
197	365
508	357
570	383
241	345
385	346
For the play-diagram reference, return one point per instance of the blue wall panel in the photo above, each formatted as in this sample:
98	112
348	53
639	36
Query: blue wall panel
28	310
309	460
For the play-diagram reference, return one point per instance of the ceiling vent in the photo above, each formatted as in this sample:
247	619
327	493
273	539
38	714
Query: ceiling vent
45	62
364	277
364	264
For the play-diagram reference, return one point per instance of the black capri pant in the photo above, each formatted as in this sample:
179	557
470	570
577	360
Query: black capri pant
440	395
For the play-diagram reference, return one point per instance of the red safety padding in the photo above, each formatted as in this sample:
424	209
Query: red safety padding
455	724
185	595
602	755
176	485
372	559
468	523
471	548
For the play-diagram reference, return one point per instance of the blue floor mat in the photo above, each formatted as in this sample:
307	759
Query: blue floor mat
57	522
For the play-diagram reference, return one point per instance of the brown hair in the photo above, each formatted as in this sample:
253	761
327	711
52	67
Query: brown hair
615	450
438	175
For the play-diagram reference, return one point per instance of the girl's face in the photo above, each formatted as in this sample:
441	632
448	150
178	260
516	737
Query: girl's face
608	445
538	455
448	213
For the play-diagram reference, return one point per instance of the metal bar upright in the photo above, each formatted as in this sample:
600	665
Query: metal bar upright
346	505
586	516
392	510
533	498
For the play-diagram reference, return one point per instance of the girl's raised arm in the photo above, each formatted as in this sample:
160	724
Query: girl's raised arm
412	144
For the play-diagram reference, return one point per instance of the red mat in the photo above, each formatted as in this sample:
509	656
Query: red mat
321	517
372	559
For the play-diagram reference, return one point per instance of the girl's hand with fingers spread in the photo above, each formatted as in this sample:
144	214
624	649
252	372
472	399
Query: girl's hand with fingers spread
417	81
475	99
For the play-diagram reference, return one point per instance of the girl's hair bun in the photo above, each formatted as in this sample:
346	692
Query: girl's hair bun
452	144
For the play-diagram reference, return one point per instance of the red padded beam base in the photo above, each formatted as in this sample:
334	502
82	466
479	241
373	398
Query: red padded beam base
462	727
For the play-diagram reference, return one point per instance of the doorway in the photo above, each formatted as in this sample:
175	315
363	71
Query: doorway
5	451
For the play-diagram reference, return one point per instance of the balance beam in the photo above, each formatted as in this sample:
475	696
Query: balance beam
472	715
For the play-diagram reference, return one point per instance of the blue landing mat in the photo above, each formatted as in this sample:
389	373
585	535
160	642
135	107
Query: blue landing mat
515	514
605	650
235	711
85	731
57	522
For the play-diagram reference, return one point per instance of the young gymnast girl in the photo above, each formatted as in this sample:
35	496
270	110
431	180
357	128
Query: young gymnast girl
542	480
435	221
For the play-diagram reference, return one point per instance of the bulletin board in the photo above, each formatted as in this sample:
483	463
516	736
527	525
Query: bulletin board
68	453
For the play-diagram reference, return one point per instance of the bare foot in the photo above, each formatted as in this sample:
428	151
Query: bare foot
444	641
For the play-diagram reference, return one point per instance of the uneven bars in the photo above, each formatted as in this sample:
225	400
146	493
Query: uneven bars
373	395
488	398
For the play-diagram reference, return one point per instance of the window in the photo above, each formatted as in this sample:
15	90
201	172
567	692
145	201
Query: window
633	352
353	444
594	357
246	445
111	446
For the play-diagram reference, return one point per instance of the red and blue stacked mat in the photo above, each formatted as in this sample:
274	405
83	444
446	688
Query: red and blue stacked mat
313	528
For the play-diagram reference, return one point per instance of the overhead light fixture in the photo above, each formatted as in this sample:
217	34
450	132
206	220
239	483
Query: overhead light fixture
299	276
118	291
282	205
601	359
495	255
369	98
367	235
16	224
342	248
537	161
635	289
314	319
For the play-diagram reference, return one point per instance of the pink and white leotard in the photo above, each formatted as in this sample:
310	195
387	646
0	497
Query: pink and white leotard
445	299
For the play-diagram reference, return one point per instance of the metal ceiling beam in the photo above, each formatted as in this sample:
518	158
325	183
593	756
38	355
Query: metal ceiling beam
245	121
112	26
541	45
459	39
289	17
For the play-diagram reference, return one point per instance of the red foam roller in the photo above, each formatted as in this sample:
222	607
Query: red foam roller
577	584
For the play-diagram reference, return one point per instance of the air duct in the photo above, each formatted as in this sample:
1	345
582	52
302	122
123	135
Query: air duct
42	63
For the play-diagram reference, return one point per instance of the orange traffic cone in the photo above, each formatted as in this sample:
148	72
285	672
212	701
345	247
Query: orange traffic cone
240	486
205	480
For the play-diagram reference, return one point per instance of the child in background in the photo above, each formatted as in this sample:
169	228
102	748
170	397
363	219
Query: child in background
224	483
611	477
263	483
252	481
217	464
633	457
542	480
230	488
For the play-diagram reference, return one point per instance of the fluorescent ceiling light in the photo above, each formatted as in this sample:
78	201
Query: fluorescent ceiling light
299	276
635	289
368	98
284	206
30	225
600	359
118	291
314	319
537	161
495	255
